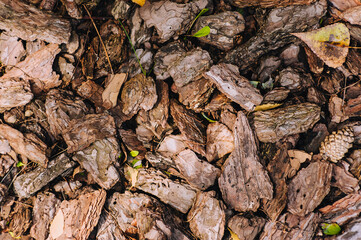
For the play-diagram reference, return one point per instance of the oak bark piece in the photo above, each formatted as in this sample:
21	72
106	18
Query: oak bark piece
82	132
27	145
207	217
344	180
38	69
14	92
98	160
29	23
198	173
268	3
220	141
12	50
279	168
29	183
191	127
275	32
178	195
44	210
273	125
171	19
235	86
307	190
223	26
153	220
244	181
138	93
291	227
62	107
246	228
75	219
343	210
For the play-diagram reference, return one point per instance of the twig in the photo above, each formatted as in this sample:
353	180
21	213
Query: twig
101	40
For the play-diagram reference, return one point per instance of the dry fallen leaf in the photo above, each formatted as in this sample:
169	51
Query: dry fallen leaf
329	43
297	157
139	2
111	91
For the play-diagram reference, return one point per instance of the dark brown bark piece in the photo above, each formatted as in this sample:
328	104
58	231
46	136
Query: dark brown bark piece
138	93
169	18
20	219
178	195
72	9
220	141
132	142
62	107
235	86
45	207
279	169
343	210
275	32
198	173
273	125
206	206
29	23
246	228
190	126
268	3
29	146
223	26
98	160
291	227
309	187
78	216
244	181
293	80
276	95
29	183
82	132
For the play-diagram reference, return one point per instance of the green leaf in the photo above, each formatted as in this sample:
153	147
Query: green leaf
134	153
136	164
19	164
330	228
202	32
208	119
254	83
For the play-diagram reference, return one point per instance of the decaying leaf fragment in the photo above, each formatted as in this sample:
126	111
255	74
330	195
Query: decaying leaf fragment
329	43
244	181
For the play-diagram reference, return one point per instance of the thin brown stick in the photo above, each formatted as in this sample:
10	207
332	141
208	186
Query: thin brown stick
101	40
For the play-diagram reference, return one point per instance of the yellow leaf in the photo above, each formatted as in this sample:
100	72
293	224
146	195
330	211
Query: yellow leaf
267	106
139	2
329	43
234	236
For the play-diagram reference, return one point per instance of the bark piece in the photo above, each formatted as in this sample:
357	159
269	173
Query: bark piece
352	15
331	82
190	126
246	228
171	19
12	50
28	145
353	62
72	9
14	92
236	87
120	10
294	80
344	5
153	220
266	67
29	183
207	217
291	227
273	125
344	180
44	210
309	187
218	101
268	3
159	161
314	95
62	107
335	107
355	161
352	232
82	132
171	145
29	23
279	168
315	64
20	219
140	33
276	95
220	141
275	32
290	55
6	162
223	26
178	195
75	219
131	141
111	91
244	181
353	107
138	93
343	210
98	160
198	173
38	69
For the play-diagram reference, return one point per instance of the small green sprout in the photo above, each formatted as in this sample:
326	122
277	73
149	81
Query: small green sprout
19	164
208	119
134	153
330	229
202	32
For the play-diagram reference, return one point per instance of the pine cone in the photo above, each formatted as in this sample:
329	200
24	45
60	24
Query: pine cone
336	145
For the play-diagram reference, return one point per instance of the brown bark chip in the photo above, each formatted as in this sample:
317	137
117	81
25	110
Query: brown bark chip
244	181
268	3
